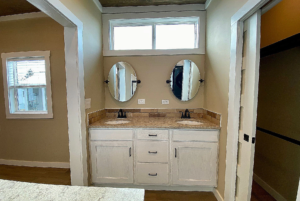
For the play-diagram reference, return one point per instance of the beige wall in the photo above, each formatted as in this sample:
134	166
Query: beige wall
277	162
38	139
153	71
91	17
280	22
217	66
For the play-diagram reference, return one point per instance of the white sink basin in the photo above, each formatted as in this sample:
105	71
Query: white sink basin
117	122
192	123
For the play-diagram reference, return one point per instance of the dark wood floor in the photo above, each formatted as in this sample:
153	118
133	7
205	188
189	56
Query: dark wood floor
36	175
259	194
62	177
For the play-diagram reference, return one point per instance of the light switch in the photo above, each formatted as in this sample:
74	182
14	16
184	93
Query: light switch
141	101
88	103
165	102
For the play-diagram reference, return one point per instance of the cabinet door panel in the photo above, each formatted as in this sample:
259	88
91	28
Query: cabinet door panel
112	162
194	163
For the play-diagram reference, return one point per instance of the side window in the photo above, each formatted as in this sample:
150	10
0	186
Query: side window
27	84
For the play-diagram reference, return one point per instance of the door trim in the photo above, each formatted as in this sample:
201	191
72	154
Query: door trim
73	37
237	27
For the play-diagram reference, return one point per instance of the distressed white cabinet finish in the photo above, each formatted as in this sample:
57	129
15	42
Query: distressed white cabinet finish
112	161
160	158
152	151
152	173
150	134
194	163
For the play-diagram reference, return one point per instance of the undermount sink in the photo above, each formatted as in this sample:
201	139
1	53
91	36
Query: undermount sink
192	123
117	122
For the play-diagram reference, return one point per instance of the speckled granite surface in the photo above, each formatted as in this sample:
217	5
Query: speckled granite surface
155	122
23	191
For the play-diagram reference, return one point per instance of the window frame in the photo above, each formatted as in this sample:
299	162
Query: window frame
153	23
27	114
140	19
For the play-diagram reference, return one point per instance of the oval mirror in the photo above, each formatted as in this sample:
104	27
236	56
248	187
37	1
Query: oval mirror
122	81
185	80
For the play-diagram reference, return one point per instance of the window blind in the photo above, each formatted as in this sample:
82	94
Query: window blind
26	72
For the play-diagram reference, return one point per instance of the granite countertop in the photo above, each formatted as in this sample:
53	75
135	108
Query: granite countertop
155	122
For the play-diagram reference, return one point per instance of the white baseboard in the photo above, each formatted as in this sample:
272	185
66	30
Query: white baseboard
218	195
268	188
35	163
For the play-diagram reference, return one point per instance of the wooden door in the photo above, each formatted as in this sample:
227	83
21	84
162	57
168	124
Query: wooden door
194	163
248	107
112	161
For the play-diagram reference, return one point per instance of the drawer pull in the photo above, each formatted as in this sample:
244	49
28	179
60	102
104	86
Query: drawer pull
175	153
152	135
130	152
152	175
152	152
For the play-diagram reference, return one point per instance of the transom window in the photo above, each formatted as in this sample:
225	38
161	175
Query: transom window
154	34
27	85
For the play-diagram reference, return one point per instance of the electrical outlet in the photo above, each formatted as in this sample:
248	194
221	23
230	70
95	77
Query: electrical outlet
88	103
165	102
141	101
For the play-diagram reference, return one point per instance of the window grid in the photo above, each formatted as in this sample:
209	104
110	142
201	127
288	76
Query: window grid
27	85
153	23
15	76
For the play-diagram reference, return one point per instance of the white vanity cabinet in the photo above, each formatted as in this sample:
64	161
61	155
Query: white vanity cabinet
111	158
155	158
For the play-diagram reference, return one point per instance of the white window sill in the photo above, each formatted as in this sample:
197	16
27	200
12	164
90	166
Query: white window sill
152	52
30	115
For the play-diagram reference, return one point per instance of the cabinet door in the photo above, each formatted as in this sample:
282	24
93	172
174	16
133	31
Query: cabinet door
112	161
194	163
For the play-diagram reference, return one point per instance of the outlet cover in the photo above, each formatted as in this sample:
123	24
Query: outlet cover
165	102
141	101
88	103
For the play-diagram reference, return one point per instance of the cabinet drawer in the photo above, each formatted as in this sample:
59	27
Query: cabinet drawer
151	151
201	136
152	173
111	134
153	134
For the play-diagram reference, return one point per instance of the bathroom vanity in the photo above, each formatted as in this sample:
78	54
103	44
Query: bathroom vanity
154	153
155	148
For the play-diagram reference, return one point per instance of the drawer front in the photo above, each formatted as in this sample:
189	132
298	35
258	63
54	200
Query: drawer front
201	136
152	134
152	151
111	134
152	173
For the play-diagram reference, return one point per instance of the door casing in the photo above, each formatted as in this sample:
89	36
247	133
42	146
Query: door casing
237	30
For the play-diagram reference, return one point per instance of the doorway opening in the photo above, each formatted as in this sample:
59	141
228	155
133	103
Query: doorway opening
243	100
277	150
